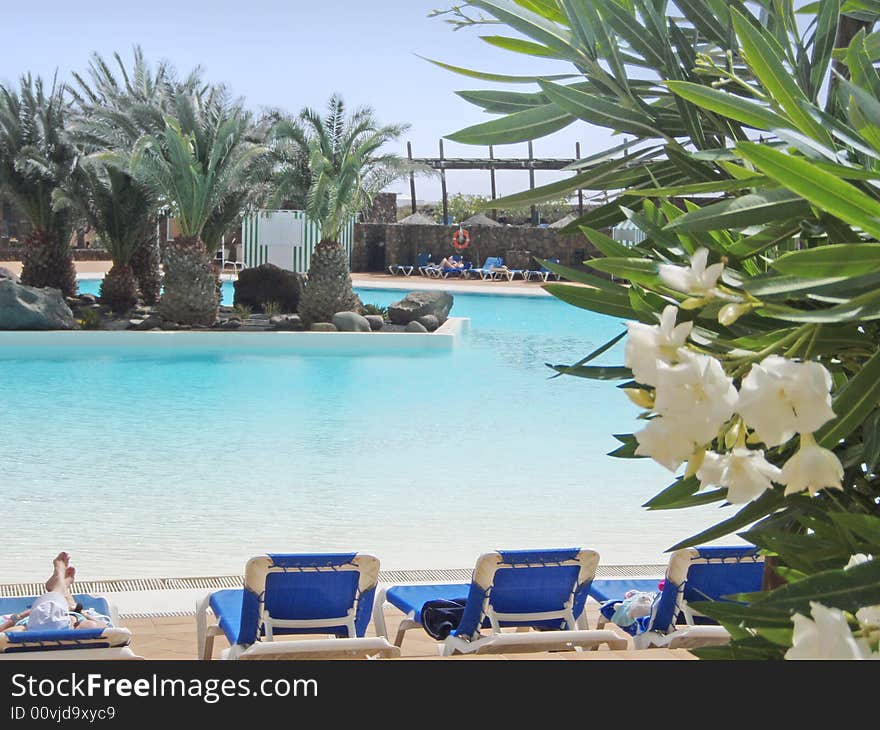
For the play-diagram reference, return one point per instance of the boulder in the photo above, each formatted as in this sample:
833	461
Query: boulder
268	283
29	308
394	328
233	323
287	322
323	327
87	299
416	327
7	274
377	321
351	322
150	323
419	303
429	322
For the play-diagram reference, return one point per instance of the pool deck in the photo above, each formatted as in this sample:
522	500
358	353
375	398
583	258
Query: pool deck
174	637
97	269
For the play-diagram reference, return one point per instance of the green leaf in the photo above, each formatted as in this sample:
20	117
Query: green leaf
605	244
766	63
772	235
823	44
719	186
517	127
852	404
585	277
849	590
598	110
764	505
640	271
737	613
741	110
498	78
503	102
518	45
843	259
628	449
823	189
765	206
594	372
866	527
591	299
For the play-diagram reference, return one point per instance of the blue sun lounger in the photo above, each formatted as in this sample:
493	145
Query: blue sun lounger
539	589
112	642
487	270
422	260
296	594
693	574
544	274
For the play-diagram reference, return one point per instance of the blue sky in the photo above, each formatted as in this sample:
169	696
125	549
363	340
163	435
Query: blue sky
292	54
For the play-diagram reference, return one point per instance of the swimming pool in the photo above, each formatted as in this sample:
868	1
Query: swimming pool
142	465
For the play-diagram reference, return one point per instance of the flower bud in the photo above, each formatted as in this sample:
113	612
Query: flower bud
640	397
729	313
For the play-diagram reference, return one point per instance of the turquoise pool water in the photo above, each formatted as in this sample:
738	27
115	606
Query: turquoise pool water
143	464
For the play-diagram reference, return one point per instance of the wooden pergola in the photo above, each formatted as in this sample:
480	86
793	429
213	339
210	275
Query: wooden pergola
491	164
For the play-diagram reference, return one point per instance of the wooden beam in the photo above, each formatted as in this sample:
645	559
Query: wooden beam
534	210
492	179
412	178
443	187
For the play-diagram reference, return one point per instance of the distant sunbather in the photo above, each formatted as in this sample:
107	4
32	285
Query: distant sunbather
56	608
451	264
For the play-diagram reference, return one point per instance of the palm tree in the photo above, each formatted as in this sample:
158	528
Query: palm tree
35	159
118	209
345	171
197	165
117	107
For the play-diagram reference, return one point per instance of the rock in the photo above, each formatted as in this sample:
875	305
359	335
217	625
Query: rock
149	323
351	322
87	298
377	321
323	327
268	283
419	303
287	322
429	322
393	328
29	308
233	323
226	310
7	274
170	326
115	325
133	324
415	327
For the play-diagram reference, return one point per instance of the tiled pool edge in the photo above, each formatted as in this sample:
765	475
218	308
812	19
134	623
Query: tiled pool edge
443	338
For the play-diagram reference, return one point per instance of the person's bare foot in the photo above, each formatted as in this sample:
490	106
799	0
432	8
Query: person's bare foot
59	580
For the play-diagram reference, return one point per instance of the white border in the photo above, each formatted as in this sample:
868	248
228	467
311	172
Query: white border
230	341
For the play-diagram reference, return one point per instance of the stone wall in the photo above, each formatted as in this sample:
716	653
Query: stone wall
383	210
376	246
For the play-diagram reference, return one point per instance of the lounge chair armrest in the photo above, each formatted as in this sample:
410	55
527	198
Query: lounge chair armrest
372	647
687	637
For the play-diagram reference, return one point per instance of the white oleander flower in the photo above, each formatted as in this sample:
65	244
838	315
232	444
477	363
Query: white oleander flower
812	468
697	279
826	636
664	443
869	615
745	473
696	393
646	344
780	397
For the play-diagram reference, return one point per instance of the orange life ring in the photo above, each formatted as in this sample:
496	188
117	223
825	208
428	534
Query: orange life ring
460	239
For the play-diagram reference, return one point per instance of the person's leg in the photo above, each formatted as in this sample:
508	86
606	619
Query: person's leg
62	577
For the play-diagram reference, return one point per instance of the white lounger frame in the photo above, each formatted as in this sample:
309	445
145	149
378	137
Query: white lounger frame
256	571
577	637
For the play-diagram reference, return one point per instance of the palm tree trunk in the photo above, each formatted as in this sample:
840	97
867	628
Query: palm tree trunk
47	262
145	264
190	284
119	288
